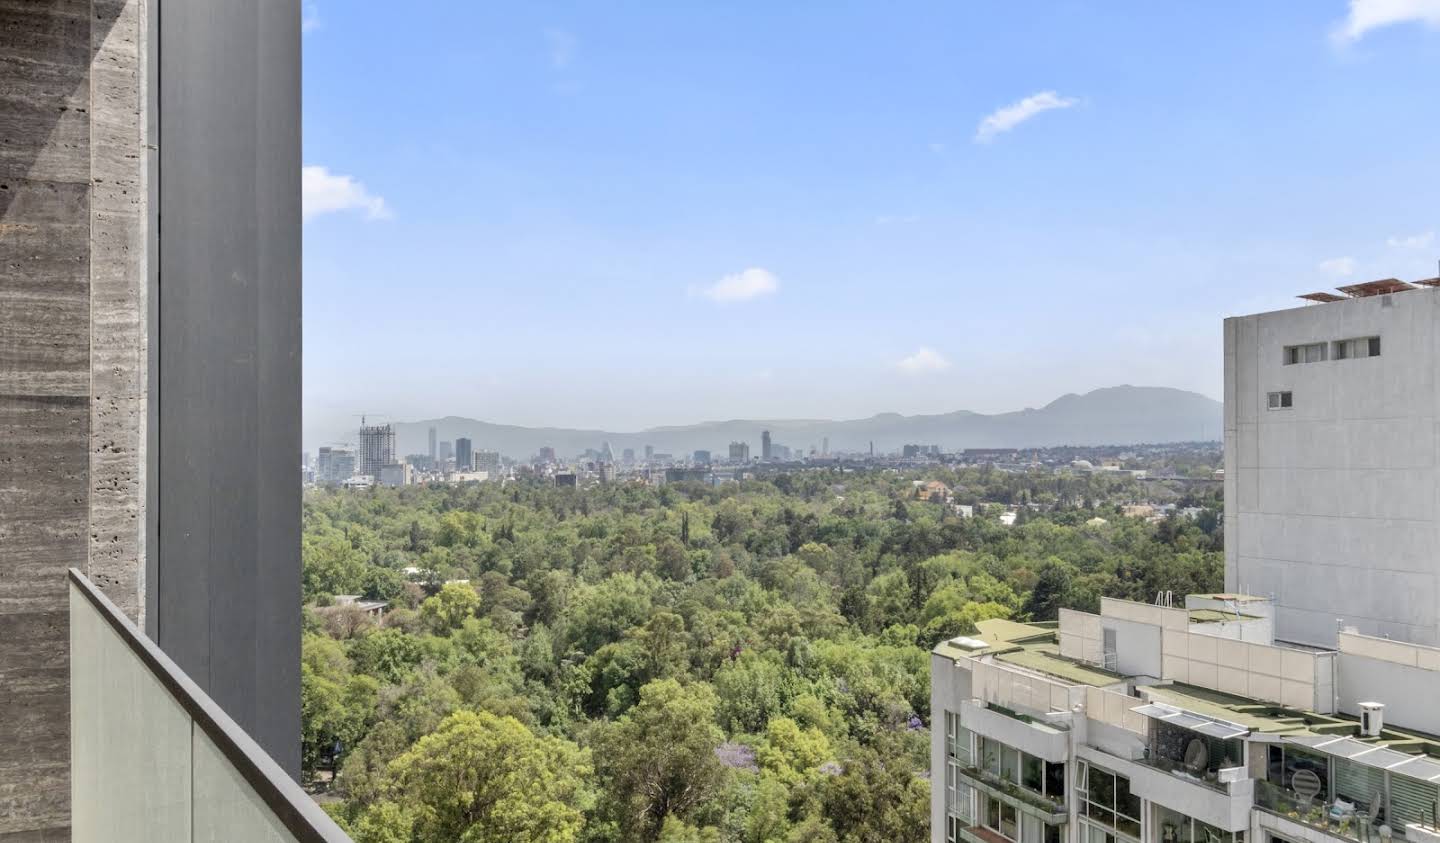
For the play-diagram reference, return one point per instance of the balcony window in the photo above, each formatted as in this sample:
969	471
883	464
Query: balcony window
957	739
1001	818
1191	754
1285	762
1029	772
1175	827
1105	799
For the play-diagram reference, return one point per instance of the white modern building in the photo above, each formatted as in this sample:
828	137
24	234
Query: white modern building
1331	484
1151	724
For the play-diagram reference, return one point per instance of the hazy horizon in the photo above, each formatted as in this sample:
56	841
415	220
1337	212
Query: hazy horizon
619	219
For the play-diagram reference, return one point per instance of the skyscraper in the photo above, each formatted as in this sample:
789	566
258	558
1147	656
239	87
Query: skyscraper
463	460
766	452
433	434
447	450
649	452
377	448
740	451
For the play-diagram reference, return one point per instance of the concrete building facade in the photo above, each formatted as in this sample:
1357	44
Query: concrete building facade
113	333
1332	496
1150	724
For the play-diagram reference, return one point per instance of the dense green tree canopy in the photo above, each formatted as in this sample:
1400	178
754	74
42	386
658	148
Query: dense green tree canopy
685	663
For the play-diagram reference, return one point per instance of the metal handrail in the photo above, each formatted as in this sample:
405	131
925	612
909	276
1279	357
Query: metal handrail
282	795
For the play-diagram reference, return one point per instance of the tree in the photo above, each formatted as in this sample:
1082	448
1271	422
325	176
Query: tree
658	760
447	610
479	778
877	799
1052	591
790	752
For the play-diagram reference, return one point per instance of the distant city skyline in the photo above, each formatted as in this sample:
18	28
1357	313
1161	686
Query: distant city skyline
618	219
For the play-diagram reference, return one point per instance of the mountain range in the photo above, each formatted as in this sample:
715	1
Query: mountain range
1120	415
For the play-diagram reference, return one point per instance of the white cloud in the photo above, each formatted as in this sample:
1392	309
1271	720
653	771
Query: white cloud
324	192
742	286
1368	15
561	46
1338	266
924	361
1414	241
1007	118
310	18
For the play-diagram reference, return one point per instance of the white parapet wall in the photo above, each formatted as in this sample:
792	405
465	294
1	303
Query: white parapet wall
1282	675
1022	690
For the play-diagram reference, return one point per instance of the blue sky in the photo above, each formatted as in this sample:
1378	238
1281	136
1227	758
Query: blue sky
624	215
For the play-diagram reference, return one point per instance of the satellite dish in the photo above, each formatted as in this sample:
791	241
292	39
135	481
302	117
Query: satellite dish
1196	755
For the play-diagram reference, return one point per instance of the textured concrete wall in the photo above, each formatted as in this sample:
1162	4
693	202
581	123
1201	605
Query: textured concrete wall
1331	505
63	65
44	393
118	294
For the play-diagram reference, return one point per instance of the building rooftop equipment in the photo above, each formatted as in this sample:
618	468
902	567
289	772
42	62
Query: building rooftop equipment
1375	288
1322	297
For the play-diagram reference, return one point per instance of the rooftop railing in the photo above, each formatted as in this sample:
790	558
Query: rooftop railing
154	758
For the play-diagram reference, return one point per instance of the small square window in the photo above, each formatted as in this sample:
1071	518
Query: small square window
1279	400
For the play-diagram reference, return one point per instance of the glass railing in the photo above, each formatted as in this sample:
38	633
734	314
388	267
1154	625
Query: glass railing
1019	796
153	758
1208	778
1315	814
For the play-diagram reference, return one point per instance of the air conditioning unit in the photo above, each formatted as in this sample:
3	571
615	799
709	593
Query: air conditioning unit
1372	719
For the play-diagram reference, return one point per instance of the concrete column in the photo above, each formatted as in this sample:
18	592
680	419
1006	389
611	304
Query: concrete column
71	282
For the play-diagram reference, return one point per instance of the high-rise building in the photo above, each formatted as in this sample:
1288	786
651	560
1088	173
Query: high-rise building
447	451
739	452
701	458
488	462
649	452
765	450
628	455
825	447
150	415
463	458
1331	462
547	455
433	444
607	454
334	465
377	448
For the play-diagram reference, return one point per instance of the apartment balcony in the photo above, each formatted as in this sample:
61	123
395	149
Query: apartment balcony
1023	800
153	758
1296	818
1023	733
1223	805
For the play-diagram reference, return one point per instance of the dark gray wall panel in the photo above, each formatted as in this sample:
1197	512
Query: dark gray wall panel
227	531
